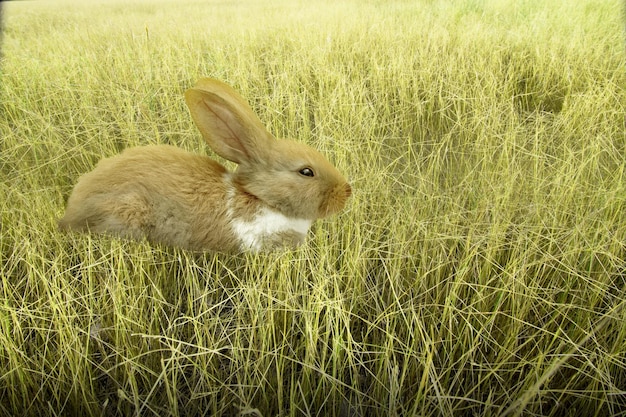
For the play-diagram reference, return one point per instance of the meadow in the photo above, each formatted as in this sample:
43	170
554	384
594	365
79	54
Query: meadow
478	270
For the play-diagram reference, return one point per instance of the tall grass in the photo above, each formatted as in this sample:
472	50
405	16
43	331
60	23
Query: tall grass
478	270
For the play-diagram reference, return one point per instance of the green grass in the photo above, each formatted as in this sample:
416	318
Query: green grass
479	269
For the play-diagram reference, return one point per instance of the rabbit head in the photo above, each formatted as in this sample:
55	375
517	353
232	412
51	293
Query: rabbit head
287	176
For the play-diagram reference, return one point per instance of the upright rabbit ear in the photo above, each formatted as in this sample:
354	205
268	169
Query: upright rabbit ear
227	122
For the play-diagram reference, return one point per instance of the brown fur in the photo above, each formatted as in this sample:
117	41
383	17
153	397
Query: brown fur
171	196
159	192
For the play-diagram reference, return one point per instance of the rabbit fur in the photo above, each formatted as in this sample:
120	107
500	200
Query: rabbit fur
170	196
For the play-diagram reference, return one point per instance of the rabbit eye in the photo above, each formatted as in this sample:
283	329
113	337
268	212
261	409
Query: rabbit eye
307	172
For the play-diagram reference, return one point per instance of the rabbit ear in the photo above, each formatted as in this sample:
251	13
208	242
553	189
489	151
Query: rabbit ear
227	122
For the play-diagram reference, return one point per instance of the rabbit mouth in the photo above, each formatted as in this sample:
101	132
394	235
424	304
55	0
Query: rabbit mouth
336	200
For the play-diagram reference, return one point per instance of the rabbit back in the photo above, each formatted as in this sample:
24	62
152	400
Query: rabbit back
160	193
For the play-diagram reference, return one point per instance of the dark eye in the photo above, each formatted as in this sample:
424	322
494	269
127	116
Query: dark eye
307	172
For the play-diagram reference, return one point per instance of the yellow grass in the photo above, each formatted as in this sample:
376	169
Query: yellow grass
478	270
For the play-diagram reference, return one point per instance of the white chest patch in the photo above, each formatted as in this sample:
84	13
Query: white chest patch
266	223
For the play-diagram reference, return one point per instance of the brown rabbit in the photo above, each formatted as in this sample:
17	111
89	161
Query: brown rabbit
174	197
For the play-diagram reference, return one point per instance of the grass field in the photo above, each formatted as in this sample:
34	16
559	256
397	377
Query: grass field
479	269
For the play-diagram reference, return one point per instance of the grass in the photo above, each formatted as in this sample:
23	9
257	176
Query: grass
478	270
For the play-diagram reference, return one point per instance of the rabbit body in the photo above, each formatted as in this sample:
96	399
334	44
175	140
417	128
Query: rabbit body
159	192
171	196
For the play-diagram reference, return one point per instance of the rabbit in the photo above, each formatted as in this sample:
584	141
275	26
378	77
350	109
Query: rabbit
170	196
